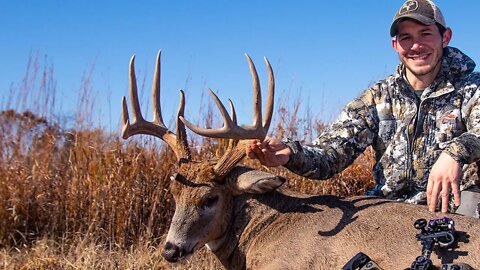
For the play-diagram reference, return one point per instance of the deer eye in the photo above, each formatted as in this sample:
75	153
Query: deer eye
210	201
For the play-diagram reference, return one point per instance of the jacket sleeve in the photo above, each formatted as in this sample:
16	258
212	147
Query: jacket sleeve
341	143
466	147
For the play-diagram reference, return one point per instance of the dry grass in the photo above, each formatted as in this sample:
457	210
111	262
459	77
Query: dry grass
80	198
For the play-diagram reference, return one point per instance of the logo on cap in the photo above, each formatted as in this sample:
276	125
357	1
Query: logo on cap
409	6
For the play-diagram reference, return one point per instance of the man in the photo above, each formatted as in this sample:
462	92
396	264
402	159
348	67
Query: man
423	121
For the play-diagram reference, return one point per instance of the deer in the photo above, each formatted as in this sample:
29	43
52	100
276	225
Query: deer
248	220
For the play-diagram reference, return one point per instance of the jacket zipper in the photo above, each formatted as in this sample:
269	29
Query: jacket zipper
410	144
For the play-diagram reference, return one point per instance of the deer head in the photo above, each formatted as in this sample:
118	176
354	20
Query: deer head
204	190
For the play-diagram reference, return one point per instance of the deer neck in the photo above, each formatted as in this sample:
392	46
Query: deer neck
248	218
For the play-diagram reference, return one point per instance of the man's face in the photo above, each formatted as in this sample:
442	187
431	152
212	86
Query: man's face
420	47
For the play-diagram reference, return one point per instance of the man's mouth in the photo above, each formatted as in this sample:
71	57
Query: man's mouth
419	57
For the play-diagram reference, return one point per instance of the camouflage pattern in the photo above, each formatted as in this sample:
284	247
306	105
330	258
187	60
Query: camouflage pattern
407	133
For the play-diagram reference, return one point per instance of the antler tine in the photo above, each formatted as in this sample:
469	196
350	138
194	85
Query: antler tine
270	97
228	126
157	112
230	129
257	95
137	113
127	128
181	132
157	127
232	109
232	142
125	118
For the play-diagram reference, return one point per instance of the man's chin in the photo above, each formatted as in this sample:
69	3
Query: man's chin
420	70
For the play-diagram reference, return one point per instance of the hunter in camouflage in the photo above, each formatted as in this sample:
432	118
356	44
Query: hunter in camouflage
407	132
423	122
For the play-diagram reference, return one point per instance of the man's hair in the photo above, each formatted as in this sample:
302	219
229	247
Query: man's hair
441	28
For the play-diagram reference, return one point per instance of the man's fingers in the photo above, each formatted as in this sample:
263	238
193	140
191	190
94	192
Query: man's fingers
432	205
259	155
258	152
270	152
251	154
445	197
253	151
264	144
429	191
249	150
456	193
443	180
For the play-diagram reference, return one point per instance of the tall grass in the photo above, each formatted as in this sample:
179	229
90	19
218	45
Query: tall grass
81	198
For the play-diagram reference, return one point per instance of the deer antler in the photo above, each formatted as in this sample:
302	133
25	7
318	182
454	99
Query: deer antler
231	130
178	143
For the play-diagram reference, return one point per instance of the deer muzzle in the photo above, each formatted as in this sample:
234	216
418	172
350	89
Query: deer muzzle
173	253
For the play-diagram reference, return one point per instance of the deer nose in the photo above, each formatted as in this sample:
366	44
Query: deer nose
172	253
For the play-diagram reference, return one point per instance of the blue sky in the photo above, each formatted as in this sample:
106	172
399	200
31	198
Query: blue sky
325	51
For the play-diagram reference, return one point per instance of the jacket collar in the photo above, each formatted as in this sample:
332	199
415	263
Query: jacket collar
454	64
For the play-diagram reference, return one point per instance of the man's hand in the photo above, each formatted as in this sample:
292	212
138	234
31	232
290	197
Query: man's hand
271	152
444	177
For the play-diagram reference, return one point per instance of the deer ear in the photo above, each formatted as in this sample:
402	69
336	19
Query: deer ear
247	180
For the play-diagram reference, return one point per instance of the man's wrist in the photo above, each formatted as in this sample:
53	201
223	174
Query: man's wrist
295	148
461	161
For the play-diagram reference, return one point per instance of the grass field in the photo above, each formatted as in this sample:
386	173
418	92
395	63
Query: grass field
81	198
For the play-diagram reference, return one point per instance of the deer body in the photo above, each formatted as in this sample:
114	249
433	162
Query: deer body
249	222
285	230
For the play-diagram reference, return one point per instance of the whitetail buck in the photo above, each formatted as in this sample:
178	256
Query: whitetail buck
248	222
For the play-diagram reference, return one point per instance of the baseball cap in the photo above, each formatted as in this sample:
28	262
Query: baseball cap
424	11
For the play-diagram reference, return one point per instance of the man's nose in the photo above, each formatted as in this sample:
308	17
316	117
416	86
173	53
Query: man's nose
416	44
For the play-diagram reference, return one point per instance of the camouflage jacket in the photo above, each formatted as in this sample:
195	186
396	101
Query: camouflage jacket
407	133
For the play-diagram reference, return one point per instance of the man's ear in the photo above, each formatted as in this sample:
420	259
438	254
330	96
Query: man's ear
247	180
447	36
394	43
